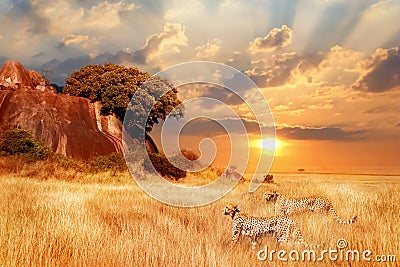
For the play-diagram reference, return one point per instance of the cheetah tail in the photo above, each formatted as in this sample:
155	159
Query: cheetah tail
350	221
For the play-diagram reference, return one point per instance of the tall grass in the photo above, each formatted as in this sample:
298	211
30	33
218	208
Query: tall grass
51	222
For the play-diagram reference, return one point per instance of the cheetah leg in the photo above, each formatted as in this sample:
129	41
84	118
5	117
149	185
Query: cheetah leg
283	236
298	235
235	235
253	241
282	239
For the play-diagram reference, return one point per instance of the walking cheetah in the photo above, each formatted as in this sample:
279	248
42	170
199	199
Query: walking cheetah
282	226
285	206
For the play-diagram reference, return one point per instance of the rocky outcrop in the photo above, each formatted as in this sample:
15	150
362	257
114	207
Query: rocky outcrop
66	124
69	125
13	76
39	82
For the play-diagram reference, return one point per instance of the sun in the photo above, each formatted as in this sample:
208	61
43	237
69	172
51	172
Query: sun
268	143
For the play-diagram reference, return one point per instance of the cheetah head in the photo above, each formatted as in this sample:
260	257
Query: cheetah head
270	195
231	209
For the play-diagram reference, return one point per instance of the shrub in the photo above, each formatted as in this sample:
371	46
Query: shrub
66	163
16	141
190	155
163	166
135	154
269	179
113	162
186	160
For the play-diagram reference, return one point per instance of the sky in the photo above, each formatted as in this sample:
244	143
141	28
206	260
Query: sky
328	69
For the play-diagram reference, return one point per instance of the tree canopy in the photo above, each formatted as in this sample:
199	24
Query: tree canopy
114	86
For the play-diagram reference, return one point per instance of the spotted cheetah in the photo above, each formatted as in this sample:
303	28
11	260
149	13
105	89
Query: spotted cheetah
285	206
281	226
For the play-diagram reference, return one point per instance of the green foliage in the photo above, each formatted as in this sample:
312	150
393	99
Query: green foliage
114	162
16	141
114	87
163	166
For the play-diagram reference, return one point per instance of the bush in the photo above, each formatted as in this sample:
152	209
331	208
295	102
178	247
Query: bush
269	179
66	163
186	160
16	141
163	166
113	162
190	155
135	154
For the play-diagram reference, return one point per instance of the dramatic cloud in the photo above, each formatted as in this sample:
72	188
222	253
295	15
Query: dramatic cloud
276	38
334	67
72	38
224	95
274	72
329	133
106	15
380	72
83	40
60	17
169	41
209	49
285	68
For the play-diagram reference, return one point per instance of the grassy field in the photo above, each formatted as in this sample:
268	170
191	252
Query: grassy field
106	220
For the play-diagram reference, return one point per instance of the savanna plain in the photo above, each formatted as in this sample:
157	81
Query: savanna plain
55	216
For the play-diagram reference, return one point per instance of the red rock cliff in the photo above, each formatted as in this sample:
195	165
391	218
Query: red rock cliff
69	125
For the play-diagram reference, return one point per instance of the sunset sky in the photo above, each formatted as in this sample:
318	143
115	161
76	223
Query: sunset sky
329	69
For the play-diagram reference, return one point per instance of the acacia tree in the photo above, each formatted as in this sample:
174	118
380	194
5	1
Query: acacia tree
114	86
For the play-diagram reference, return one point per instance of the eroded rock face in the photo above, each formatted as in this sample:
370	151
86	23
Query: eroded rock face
69	125
13	76
66	124
39	82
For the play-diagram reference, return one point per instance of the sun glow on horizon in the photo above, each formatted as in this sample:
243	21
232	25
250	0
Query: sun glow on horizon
268	143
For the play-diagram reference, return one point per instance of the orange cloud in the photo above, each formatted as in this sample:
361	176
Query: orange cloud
209	49
276	38
169	41
380	72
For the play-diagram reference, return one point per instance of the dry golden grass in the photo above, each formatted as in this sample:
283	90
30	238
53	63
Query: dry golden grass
100	222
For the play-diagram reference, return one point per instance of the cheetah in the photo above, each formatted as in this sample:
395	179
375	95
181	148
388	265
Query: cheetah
281	226
286	206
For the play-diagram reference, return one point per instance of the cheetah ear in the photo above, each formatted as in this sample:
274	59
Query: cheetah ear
236	208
